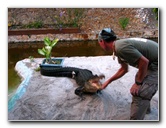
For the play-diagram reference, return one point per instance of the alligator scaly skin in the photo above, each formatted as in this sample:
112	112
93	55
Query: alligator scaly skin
82	76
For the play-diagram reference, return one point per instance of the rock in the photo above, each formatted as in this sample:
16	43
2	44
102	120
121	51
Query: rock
53	98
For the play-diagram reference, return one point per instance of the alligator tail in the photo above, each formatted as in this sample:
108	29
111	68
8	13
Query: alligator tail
59	72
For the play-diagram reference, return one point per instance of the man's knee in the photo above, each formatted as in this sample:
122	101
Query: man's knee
139	108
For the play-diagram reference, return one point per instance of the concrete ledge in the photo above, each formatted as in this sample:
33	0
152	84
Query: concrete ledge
153	33
26	74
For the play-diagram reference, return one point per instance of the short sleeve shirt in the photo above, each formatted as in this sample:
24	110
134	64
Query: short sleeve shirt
131	49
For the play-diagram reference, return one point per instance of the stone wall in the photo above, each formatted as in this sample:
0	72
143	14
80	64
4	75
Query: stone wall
142	22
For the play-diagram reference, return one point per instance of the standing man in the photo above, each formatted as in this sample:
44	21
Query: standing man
142	54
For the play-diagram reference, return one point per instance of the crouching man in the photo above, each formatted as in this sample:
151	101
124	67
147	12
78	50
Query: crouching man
142	54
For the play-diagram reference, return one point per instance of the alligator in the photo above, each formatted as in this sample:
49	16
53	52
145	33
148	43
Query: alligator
88	83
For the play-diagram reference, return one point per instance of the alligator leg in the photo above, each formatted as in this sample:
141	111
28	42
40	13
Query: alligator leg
99	92
79	92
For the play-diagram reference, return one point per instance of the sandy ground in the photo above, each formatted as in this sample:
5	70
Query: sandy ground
50	98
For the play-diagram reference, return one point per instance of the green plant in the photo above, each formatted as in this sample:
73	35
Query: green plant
46	50
37	69
155	10
124	22
36	24
70	17
31	58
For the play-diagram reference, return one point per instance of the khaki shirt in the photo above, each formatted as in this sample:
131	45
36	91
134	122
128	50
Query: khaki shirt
131	49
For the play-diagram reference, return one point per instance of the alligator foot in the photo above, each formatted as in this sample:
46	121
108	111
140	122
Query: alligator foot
99	92
79	92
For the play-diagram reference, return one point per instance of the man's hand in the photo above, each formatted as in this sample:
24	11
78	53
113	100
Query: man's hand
134	89
104	85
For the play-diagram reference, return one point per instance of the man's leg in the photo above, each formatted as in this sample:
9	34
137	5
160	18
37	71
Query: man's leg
141	103
148	110
139	108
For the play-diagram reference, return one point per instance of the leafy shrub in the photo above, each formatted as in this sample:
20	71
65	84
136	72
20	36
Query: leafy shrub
46	50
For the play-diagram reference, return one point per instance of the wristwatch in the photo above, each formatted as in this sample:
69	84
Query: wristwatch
138	83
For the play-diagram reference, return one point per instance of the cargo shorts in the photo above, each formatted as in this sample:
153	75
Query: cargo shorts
141	102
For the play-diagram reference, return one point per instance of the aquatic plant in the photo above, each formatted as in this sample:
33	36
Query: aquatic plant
46	50
124	22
